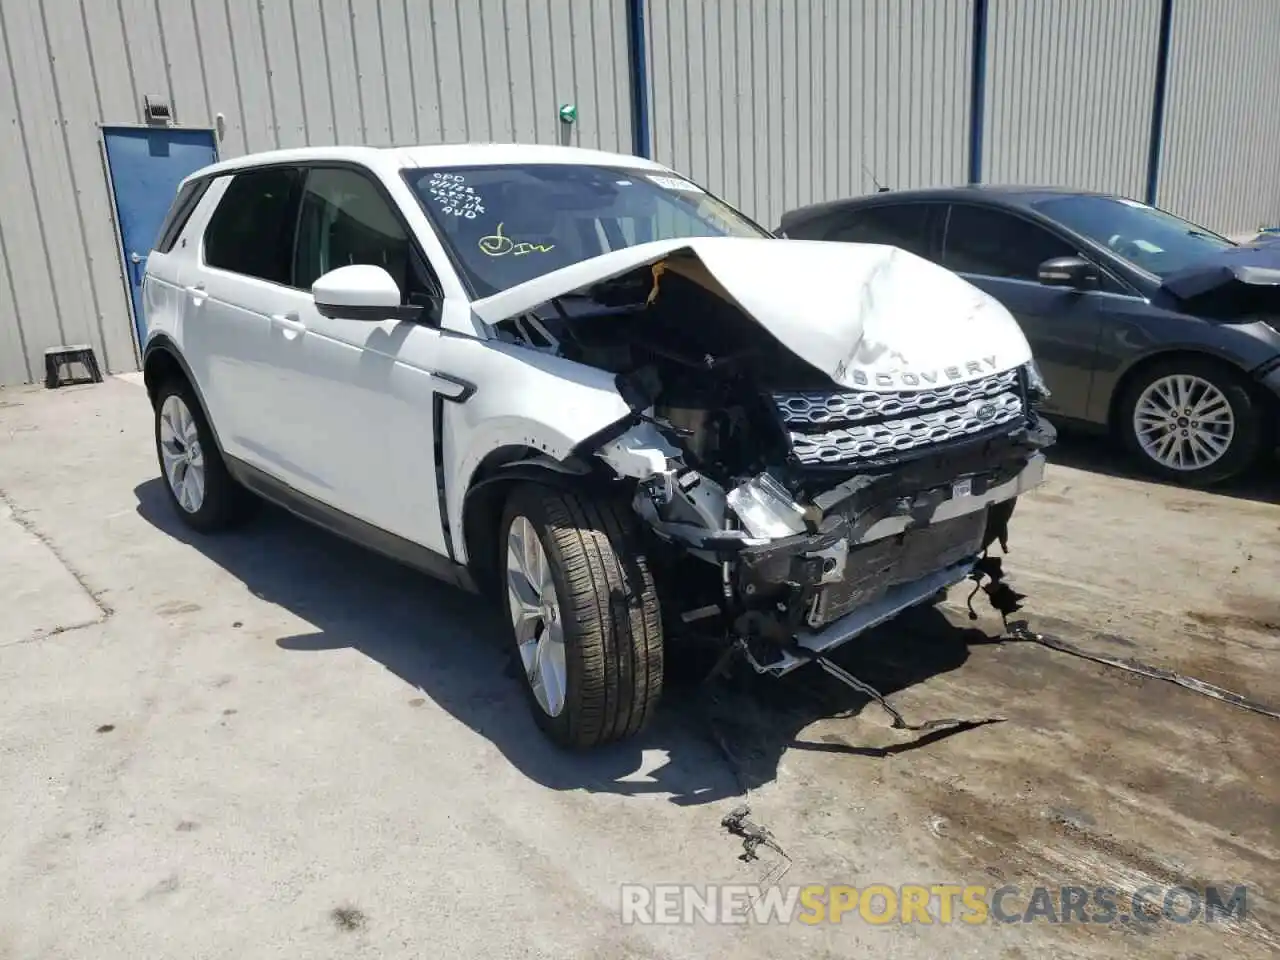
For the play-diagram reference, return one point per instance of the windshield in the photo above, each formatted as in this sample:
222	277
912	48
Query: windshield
503	225
1151	239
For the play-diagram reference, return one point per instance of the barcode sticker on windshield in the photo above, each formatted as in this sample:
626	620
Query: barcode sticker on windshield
675	183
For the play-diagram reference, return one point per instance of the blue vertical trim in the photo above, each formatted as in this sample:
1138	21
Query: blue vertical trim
977	90
1157	104
639	78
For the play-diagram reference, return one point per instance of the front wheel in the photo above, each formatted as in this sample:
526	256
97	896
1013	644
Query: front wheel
584	614
1191	421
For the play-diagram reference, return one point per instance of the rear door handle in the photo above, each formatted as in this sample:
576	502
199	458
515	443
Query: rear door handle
197	293
289	323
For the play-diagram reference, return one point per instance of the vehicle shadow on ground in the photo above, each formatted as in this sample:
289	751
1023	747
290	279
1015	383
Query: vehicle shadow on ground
707	742
1082	450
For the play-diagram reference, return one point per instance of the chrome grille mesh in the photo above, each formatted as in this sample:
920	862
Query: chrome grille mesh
861	404
864	425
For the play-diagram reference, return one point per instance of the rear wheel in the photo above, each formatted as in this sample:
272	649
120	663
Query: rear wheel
584	614
1192	421
202	491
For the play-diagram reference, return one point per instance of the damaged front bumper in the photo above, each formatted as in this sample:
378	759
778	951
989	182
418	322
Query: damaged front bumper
800	579
898	597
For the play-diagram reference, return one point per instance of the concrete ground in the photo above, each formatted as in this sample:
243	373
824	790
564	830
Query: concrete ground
273	744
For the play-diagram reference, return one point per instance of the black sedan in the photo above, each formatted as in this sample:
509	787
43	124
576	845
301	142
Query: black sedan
1143	324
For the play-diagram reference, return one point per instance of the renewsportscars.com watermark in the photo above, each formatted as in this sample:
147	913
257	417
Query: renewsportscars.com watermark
938	903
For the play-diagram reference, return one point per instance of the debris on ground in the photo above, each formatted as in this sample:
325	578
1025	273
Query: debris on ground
348	918
1020	632
754	836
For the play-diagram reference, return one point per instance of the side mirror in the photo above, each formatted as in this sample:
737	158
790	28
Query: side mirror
1074	272
361	292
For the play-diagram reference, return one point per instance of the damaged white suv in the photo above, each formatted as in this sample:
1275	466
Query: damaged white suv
579	383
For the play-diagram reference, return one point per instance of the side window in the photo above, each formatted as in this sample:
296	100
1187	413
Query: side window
346	220
251	232
904	225
184	204
993	243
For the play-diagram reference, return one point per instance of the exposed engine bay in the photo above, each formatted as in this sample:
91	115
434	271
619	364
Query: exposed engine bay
797	512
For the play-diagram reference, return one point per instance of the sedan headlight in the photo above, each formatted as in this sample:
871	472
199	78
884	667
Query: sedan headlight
1037	389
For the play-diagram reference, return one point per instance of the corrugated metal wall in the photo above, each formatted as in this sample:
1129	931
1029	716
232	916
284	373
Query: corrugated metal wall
770	103
283	73
776	103
1220	157
1069	92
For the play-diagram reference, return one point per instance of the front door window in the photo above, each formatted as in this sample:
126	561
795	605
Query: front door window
992	243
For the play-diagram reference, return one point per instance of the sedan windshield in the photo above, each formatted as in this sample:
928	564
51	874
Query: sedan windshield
1150	239
503	225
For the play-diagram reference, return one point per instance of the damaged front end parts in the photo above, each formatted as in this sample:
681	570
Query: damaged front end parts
809	560
803	490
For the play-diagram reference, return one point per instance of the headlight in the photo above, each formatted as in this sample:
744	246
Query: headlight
766	509
1037	389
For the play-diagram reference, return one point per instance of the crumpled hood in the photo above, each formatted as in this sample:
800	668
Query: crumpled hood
1234	282
868	316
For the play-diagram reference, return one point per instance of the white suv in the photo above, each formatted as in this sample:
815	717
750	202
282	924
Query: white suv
579	382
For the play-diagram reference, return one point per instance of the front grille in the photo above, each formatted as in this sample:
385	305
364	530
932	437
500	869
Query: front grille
872	569
848	427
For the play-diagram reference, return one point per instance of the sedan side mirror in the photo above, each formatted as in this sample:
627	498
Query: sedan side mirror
1074	272
361	292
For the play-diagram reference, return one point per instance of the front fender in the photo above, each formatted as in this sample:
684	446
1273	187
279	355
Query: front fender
522	399
1244	346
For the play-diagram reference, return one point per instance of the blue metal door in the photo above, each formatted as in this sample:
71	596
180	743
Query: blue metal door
146	166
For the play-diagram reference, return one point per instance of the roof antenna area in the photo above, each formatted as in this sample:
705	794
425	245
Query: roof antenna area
880	188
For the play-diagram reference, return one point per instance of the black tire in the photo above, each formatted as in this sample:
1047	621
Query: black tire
609	612
226	503
1245	446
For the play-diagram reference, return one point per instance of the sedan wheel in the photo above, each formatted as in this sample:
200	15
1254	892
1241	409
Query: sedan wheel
1184	422
1192	421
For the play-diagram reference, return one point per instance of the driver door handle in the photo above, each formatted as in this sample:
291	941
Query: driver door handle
197	293
289	323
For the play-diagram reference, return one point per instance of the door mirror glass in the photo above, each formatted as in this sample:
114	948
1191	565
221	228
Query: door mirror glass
1068	272
361	292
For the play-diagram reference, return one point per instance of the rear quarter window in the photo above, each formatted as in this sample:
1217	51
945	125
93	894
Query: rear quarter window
184	204
903	225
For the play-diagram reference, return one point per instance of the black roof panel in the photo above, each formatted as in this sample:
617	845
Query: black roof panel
1014	195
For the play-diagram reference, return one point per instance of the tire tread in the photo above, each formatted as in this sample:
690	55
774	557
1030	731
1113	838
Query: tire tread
613	625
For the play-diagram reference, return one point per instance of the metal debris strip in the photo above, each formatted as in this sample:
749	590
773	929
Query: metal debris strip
1006	601
899	722
1020	632
754	836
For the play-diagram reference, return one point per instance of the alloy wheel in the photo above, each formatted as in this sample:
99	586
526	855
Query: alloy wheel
181	453
1184	422
535	615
